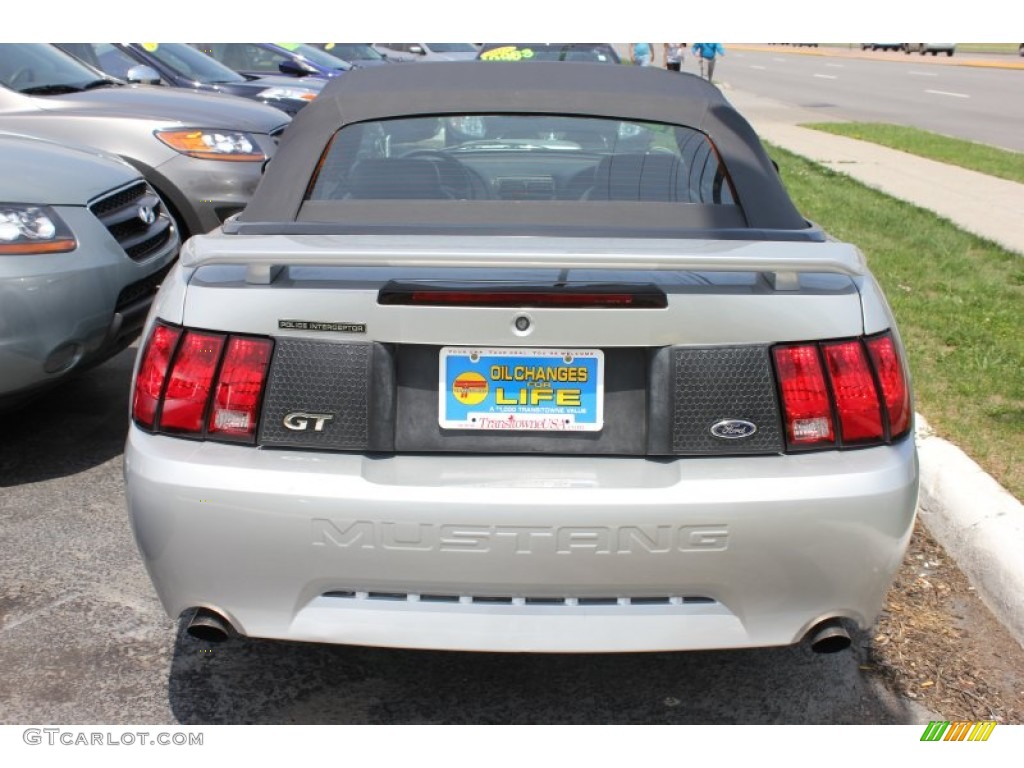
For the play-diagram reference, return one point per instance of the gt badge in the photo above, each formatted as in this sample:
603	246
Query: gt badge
299	421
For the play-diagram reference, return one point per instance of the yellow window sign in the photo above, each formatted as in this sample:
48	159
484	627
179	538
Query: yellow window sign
507	53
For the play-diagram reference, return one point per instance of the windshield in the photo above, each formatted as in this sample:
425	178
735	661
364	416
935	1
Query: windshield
315	55
521	157
353	51
191	63
451	47
41	68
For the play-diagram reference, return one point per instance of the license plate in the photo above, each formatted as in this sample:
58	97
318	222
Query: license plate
537	390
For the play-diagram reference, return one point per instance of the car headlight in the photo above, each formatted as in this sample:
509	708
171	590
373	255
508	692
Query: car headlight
283	92
207	144
33	229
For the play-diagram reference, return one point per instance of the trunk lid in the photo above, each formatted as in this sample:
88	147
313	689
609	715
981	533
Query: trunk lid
355	369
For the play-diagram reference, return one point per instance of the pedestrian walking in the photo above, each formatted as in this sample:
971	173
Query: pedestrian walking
673	53
708	53
642	53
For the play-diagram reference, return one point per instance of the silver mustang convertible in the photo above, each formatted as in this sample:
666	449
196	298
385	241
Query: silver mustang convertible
517	357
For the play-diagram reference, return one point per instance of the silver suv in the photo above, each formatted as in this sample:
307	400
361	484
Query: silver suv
203	153
84	244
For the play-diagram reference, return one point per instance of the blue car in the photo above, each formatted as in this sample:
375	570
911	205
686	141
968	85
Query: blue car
291	59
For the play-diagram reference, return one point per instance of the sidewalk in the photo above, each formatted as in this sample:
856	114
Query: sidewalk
975	520
977	203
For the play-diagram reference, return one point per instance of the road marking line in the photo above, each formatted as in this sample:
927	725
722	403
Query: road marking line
827	77
949	93
923	74
835	66
757	66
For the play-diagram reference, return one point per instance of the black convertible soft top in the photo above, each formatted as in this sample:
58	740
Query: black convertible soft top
624	92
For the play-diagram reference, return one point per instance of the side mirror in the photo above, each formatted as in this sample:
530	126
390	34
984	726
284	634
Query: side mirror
143	74
417	49
294	68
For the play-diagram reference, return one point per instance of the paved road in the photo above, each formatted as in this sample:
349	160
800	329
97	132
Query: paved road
84	640
977	103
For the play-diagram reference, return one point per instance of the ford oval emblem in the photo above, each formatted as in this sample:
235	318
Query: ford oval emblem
733	429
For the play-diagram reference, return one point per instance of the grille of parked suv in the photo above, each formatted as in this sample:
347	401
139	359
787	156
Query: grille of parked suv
135	217
141	289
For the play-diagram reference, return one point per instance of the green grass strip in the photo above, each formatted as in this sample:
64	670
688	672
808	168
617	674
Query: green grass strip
1010	48
993	161
959	304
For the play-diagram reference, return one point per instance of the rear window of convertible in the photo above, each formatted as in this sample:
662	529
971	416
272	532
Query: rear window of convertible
521	157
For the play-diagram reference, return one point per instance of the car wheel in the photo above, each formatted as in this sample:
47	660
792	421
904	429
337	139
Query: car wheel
949	53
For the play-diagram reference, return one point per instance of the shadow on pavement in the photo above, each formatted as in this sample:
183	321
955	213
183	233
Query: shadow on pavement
270	682
76	426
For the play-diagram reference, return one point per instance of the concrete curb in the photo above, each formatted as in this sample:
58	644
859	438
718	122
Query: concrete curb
977	522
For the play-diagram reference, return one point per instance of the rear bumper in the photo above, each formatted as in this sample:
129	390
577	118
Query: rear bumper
520	553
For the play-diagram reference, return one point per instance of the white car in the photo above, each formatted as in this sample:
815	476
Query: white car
404	52
933	48
522	357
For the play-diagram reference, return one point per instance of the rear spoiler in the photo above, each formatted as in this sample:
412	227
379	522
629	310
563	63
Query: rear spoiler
264	256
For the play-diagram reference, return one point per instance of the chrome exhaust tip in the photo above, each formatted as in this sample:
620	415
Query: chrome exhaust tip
829	637
209	626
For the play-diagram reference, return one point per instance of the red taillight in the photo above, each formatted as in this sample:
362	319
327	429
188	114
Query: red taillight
201	383
857	403
190	382
894	385
239	387
862	383
805	401
149	382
